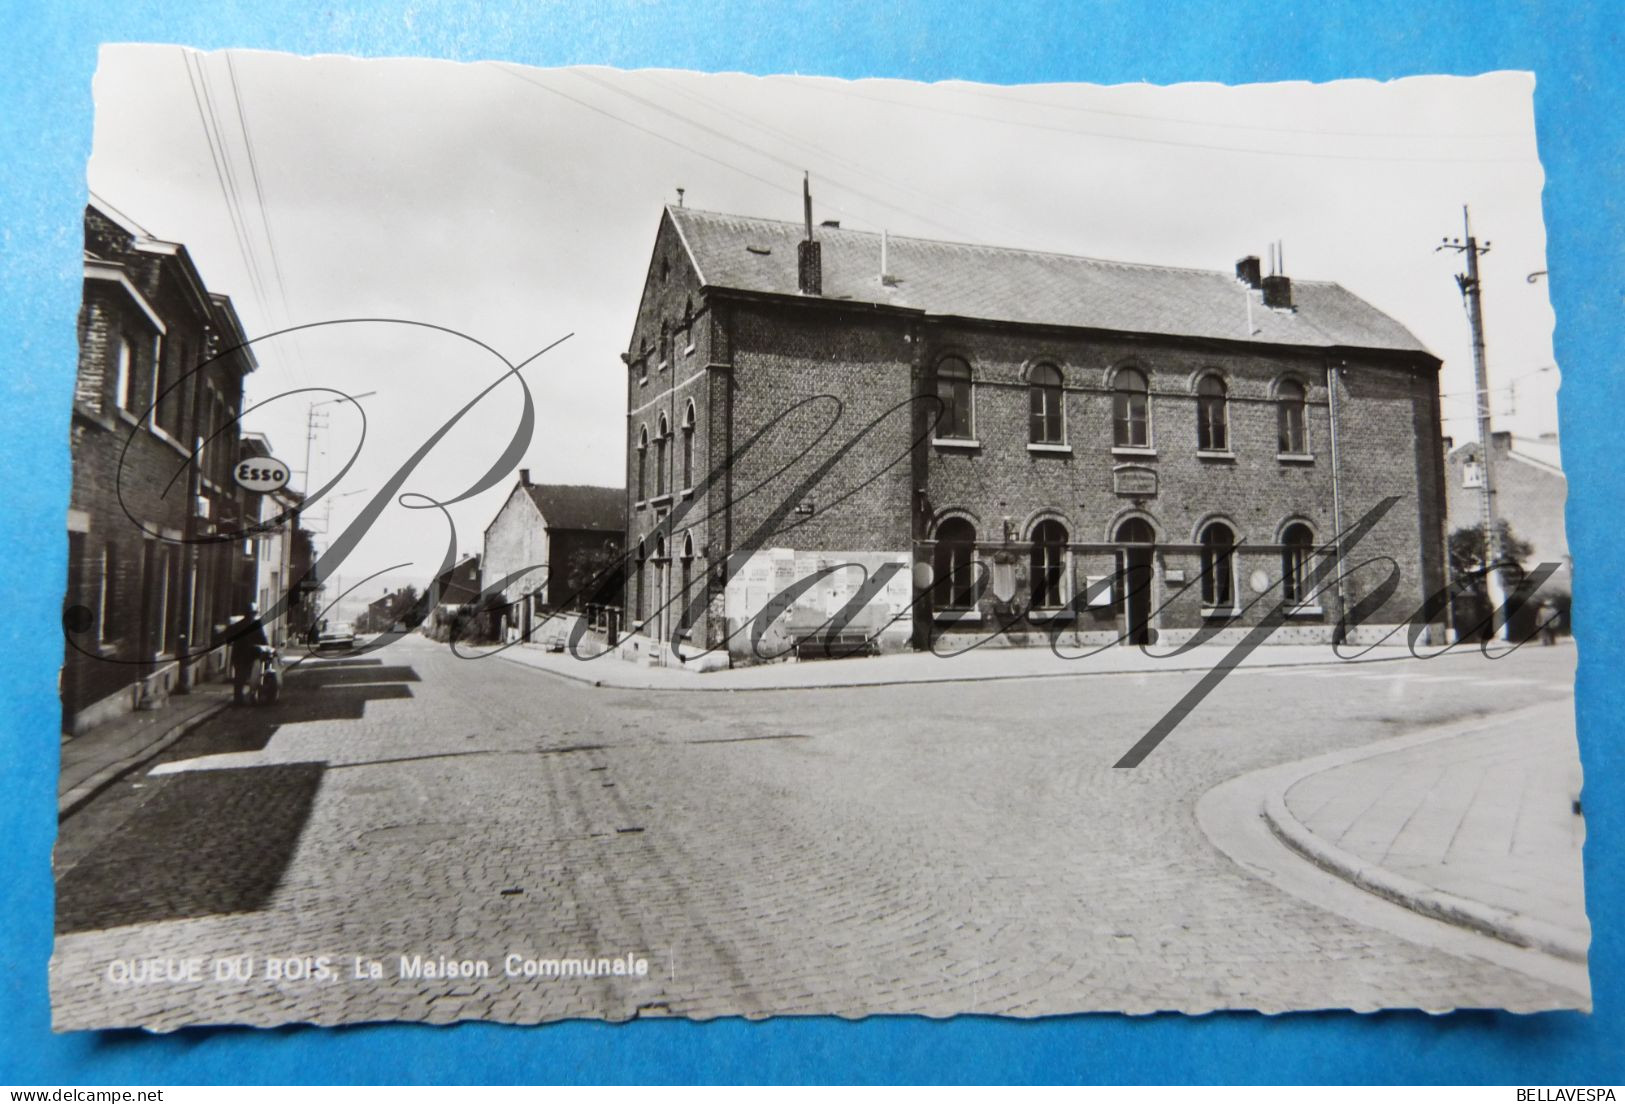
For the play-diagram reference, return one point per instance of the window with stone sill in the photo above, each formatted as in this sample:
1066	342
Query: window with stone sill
1048	565
954	566
643	463
1218	567
1212	420
662	441
1292	432
955	395
1297	546
1044	395
1131	410
688	446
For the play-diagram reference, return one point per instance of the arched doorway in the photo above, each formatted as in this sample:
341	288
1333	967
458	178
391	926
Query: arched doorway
1134	573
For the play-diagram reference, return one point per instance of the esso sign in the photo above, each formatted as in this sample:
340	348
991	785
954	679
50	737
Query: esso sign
261	474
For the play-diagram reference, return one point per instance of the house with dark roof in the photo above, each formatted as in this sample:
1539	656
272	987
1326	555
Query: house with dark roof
903	442
553	547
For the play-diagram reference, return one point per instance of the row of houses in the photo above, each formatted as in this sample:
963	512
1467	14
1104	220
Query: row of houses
550	549
165	548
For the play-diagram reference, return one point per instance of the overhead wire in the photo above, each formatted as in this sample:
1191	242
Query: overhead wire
221	177
936	202
1003	97
1210	147
263	203
786	162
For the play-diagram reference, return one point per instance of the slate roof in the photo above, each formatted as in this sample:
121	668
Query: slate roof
577	506
1024	286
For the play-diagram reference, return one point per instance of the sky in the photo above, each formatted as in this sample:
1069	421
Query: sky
518	207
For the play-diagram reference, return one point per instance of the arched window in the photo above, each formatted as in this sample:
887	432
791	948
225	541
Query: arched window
1045	426
662	438
685	579
955	565
1289	418
1218	567
1049	565
1212	424
643	463
954	392
688	446
1297	545
1131	415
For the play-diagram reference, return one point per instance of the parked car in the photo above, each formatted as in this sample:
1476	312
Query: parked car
340	635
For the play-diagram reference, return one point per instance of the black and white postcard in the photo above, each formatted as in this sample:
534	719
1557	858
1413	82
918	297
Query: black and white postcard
572	543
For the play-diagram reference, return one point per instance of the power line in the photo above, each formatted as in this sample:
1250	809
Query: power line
1001	97
264	204
219	173
651	132
786	162
233	199
776	185
849	164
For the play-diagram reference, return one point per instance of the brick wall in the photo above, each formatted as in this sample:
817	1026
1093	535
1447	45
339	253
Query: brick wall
670	369
130	495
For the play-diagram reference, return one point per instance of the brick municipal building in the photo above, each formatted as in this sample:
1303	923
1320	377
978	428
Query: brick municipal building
942	442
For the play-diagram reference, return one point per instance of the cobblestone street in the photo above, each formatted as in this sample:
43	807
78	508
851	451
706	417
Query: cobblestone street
933	849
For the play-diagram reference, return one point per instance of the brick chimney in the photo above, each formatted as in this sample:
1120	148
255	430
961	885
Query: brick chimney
524	477
809	254
1278	292
1277	288
1249	271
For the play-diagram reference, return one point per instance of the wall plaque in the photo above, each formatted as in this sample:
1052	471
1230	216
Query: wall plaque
1135	482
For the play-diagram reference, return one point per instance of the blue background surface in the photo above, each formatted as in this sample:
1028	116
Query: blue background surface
45	118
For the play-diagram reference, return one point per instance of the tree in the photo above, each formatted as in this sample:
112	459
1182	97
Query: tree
403	608
1468	552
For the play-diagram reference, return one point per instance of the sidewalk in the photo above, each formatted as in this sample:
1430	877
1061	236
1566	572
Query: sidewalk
980	664
92	760
1478	827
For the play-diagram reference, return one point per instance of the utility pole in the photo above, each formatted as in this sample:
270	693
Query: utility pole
1468	246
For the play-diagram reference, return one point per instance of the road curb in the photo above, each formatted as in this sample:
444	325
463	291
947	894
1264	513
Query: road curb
1503	924
82	794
